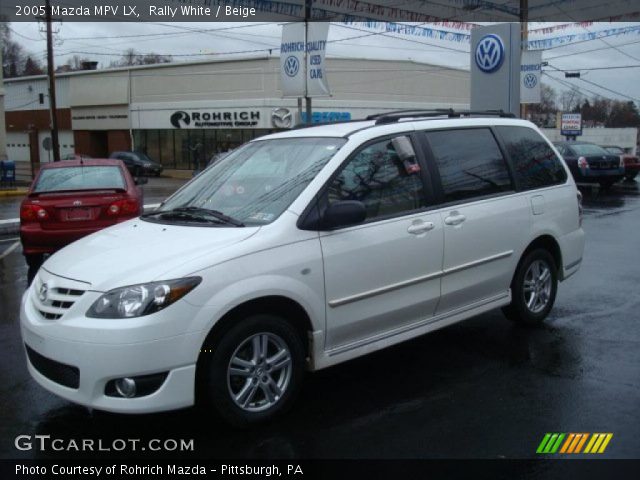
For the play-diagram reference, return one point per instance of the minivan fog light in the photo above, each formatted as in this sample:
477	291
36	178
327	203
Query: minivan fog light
126	387
135	387
143	299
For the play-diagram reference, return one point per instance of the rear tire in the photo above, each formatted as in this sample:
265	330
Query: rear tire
533	288
254	370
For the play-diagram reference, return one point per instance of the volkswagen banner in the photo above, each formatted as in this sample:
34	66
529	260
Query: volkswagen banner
292	60
530	70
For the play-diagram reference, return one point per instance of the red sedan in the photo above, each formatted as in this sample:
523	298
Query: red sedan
631	162
71	199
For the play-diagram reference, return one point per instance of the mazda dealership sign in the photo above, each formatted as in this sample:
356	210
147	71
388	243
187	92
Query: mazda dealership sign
215	119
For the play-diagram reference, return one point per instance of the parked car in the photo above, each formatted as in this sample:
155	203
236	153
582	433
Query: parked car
301	250
71	199
631	162
76	156
590	163
139	163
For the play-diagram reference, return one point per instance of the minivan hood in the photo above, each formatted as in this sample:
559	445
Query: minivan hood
137	251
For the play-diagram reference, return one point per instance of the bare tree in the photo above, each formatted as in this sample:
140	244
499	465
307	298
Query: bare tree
570	100
15	60
130	58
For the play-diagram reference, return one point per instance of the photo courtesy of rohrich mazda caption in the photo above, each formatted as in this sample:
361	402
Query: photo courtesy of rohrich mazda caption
301	250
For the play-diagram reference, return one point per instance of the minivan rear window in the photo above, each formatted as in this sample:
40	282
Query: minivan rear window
94	177
535	163
470	163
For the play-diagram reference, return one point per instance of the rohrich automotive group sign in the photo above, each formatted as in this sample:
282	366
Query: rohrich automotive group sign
215	119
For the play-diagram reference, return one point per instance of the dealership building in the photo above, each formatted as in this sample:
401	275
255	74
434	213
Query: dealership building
179	112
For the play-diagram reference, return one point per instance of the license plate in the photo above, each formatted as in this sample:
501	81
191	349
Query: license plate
75	214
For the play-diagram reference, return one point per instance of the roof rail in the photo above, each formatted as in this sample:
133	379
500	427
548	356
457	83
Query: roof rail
393	117
322	124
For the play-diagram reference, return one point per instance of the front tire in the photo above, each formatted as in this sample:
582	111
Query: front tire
254	370
533	288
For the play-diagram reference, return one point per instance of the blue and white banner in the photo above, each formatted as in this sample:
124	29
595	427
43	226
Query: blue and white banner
292	79
530	69
317	84
298	79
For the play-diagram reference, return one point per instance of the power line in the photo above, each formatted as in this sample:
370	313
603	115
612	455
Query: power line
589	51
599	86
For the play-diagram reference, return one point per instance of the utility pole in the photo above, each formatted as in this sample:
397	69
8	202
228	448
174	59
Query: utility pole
55	144
307	99
524	39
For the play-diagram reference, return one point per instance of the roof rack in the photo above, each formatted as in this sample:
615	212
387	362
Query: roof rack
395	116
322	124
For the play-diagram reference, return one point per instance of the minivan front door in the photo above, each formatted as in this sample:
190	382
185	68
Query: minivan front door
384	274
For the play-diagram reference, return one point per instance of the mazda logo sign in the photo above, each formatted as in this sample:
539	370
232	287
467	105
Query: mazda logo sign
489	53
281	118
180	119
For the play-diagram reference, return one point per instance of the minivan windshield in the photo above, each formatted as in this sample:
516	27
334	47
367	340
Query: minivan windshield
253	185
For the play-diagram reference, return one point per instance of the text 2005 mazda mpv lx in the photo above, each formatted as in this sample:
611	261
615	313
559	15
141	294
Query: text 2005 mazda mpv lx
301	250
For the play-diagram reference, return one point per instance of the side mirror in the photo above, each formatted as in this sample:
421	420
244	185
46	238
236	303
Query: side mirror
343	214
140	180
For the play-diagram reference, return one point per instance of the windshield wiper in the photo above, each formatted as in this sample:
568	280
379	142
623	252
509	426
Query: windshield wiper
172	214
218	215
198	214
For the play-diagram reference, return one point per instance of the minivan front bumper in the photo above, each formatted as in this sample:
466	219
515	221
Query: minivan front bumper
62	362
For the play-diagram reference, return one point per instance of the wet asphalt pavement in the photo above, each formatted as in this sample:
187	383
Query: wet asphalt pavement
480	389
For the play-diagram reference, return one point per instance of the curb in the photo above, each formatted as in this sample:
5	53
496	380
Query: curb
11	226
14	193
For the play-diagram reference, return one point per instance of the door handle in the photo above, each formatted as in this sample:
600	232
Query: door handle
418	228
455	218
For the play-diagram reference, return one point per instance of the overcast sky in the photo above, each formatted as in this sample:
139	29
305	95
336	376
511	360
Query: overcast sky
104	42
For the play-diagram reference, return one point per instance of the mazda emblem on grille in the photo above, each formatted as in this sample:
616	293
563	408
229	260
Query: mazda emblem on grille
42	294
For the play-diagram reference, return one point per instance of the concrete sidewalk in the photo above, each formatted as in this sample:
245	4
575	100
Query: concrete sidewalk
13	192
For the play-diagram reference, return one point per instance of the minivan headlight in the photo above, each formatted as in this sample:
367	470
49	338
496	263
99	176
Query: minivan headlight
143	299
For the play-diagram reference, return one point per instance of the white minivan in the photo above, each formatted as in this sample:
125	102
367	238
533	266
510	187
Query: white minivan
301	250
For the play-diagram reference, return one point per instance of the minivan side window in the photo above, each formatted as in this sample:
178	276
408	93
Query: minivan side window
385	176
534	162
470	163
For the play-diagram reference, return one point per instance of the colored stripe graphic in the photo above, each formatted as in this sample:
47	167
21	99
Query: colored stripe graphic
572	443
550	443
543	443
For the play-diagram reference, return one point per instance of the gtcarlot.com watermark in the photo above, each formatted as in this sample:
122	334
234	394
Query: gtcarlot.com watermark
46	443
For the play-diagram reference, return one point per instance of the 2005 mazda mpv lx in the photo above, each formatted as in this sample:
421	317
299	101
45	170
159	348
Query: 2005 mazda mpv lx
301	250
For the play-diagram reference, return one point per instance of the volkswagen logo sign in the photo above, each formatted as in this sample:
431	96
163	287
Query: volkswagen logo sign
77	203
489	53
180	119
291	66
530	80
281	118
43	292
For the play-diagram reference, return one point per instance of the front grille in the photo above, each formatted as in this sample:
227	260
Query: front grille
60	373
57	301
